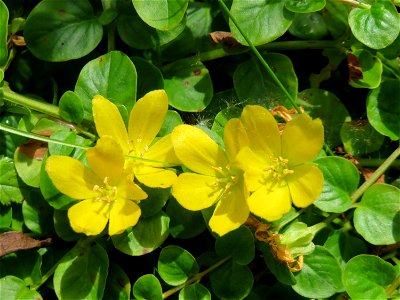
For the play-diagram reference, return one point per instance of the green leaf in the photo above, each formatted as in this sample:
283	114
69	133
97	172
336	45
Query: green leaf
336	15
147	235
62	30
335	196
11	188
118	286
231	281
25	265
188	79
254	86
383	110
161	14
3	34
223	117
14	288
376	27
377	216
82	274
309	26
262	21
149	76
321	275
371	68
304	6
326	106
63	227
65	136
172	119
367	276
147	287
71	107
195	291
184	223
155	201
28	162
113	76
239	244
37	214
9	142
176	265
5	215
359	138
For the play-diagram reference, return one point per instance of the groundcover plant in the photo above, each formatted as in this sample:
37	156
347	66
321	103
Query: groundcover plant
187	149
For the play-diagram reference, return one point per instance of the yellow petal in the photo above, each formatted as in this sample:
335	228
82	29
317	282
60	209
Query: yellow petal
231	211
89	216
305	184
262	130
123	214
235	137
163	152
196	192
146	119
197	151
270	204
108	121
106	159
127	189
71	177
155	177
302	139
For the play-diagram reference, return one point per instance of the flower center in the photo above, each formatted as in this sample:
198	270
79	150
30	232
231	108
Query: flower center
279	168
107	192
228	177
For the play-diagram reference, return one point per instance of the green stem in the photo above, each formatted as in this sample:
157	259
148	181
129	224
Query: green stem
374	177
294	216
195	278
260	58
393	286
357	3
376	162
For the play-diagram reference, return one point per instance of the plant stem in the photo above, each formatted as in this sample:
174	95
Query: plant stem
393	286
385	165
195	278
376	162
357	3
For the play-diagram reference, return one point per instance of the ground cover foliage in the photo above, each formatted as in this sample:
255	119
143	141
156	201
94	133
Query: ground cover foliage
216	149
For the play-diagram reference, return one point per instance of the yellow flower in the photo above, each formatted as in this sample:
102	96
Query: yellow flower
215	178
106	190
149	158
277	168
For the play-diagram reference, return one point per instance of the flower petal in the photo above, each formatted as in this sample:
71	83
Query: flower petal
146	119
302	139
71	177
196	192
163	152
123	214
305	184
231	211
106	159
127	189
108	121
89	216
262	129
270	204
235	137
196	150
155	177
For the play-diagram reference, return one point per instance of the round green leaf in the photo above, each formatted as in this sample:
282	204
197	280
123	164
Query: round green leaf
326	106
14	288
136	33
376	27
393	50
321	275
3	35
155	201
176	265
113	76
359	138
5	216
37	214
377	216
304	6
65	136
261	20
239	244
27	164
336	17
254	86
62	30
371	68
118	286
147	287
188	79
383	109
195	291
147	235
71	107
11	187
367	276
172	119
25	265
149	76
231	281
341	179
161	14
309	26
82	274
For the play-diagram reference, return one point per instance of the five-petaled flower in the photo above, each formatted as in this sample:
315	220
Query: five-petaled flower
215	178
277	167
107	191
148	159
